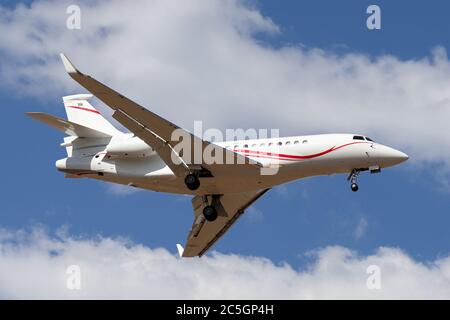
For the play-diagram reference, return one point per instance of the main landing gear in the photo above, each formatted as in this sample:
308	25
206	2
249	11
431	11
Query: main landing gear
192	179
210	213
192	182
209	210
353	178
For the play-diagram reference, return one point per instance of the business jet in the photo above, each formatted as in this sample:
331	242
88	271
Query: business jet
147	158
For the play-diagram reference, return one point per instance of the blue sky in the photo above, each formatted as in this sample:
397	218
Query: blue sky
402	207
409	28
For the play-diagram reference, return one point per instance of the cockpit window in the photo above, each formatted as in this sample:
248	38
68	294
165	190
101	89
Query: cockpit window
358	138
368	139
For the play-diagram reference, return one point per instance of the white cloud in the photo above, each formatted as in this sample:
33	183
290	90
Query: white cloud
361	227
191	60
254	215
33	265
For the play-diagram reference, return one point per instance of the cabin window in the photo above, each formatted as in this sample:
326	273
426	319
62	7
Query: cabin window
288	143
358	138
262	144
305	141
280	143
236	146
245	146
296	142
270	144
254	145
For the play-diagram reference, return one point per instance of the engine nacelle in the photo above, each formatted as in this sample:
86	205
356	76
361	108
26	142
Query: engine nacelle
128	147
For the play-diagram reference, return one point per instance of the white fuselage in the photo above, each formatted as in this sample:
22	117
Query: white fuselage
127	160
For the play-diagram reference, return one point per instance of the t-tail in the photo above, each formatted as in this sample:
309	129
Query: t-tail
81	112
83	121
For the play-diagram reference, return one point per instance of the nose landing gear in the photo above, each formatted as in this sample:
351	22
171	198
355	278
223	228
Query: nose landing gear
354	187
353	178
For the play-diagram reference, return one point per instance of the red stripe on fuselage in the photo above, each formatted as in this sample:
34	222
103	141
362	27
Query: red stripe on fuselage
84	109
281	156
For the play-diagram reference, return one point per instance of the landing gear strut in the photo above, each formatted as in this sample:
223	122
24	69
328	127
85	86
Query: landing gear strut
192	182
353	178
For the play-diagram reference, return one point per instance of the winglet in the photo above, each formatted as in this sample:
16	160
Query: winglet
180	249
70	68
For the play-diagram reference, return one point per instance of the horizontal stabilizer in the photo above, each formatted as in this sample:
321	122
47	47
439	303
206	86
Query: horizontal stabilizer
69	128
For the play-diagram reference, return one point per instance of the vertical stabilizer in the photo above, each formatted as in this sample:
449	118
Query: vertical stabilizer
80	111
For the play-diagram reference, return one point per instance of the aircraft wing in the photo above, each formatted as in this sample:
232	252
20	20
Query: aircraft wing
204	233
157	132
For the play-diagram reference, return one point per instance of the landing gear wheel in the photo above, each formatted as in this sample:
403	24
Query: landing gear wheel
192	182
210	213
353	178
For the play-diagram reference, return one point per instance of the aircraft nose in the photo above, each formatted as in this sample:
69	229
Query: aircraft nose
390	156
397	156
402	156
